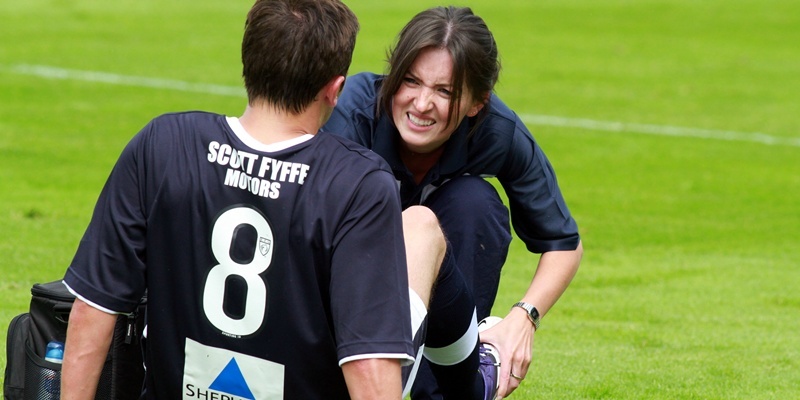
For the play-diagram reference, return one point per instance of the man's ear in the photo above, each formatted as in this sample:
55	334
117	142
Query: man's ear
332	89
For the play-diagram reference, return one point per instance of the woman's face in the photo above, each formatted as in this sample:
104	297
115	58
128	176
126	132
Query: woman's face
421	104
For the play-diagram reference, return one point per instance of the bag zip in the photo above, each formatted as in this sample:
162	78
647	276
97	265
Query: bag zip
48	292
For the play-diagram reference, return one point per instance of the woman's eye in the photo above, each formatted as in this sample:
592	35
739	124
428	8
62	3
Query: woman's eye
410	81
445	92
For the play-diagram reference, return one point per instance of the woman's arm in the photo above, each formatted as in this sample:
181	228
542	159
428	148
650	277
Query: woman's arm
513	336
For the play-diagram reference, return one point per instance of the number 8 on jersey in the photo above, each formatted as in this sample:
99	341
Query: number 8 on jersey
222	235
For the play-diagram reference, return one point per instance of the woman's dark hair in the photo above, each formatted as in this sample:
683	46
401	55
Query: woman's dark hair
468	40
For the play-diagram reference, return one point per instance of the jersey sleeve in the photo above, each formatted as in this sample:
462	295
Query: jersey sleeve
538	211
369	278
108	267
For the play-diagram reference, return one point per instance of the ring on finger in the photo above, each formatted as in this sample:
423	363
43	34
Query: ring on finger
515	376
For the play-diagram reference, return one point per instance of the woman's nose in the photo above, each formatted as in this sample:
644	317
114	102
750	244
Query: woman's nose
422	100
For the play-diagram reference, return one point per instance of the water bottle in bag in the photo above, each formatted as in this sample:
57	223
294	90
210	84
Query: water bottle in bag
51	379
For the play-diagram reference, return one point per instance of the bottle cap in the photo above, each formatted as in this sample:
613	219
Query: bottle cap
55	352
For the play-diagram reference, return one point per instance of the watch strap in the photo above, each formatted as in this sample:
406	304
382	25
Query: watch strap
533	313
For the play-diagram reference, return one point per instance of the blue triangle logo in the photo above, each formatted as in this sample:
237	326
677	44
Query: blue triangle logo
231	381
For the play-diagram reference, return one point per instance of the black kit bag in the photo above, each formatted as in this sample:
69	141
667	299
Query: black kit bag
28	376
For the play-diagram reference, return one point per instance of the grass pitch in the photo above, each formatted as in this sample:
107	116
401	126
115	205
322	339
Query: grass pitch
672	126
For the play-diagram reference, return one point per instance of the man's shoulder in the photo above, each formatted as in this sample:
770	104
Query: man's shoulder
175	127
183	122
186	118
352	152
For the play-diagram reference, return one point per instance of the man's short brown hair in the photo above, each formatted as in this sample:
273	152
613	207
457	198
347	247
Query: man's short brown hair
292	48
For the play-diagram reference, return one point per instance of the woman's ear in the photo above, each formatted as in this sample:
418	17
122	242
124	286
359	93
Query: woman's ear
478	105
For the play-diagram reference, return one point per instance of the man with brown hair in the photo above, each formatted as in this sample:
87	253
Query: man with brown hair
272	256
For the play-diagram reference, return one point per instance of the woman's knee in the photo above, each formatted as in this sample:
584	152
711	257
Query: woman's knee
469	201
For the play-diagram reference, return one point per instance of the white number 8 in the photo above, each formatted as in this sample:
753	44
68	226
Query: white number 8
214	293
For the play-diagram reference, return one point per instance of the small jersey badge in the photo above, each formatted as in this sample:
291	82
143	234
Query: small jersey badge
264	245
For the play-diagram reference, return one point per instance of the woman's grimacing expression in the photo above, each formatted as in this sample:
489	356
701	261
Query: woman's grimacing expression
421	103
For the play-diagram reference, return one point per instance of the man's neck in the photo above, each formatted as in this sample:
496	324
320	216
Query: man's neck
269	125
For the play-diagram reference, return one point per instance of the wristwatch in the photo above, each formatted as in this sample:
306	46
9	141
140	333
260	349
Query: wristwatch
533	313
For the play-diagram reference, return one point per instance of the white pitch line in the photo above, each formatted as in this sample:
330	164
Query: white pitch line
45	71
664	130
49	72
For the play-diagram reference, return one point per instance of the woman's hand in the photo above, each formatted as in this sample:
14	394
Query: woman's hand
513	338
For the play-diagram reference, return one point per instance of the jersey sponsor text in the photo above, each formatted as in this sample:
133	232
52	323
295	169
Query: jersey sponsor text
242	174
194	392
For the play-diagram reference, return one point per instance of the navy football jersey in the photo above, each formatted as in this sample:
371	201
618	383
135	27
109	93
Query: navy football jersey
265	266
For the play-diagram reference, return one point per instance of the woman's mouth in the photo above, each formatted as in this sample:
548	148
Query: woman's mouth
420	122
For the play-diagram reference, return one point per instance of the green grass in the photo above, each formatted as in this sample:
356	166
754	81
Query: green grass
689	284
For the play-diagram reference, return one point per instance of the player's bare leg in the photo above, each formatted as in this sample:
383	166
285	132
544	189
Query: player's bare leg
451	345
425	249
